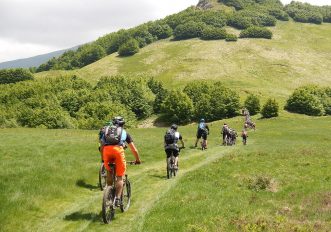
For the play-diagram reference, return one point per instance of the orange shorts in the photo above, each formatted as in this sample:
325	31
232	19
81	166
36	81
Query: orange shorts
114	154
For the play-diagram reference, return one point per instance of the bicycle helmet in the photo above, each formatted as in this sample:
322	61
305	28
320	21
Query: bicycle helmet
202	120
118	121
174	126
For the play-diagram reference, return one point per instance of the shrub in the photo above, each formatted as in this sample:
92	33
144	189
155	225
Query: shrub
8	76
270	109
310	100
213	33
239	21
213	18
188	30
142	35
129	48
212	100
252	104
237	4
160	30
279	14
305	13
178	107
231	37
256	32
90	53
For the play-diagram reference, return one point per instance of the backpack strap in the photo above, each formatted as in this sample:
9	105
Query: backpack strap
123	136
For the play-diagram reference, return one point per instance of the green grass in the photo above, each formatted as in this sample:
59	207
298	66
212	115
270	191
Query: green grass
49	180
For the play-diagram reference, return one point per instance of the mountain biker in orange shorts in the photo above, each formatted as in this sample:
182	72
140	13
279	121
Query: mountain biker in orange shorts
112	145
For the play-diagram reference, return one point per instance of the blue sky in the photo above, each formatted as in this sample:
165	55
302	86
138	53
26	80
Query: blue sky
34	27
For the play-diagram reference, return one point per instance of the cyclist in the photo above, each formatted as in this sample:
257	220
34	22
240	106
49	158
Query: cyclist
112	144
225	132
203	131
244	135
170	143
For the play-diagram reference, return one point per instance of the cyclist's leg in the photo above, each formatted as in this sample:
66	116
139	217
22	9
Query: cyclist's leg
176	154
198	137
108	157
168	153
120	169
205	139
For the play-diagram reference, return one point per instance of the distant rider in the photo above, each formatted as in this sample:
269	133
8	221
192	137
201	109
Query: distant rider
244	135
203	131
225	132
170	143
112	146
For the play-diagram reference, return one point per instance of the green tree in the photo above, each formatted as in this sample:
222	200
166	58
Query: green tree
8	76
178	107
252	104
129	48
270	109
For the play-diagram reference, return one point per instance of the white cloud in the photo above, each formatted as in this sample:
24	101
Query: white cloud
33	27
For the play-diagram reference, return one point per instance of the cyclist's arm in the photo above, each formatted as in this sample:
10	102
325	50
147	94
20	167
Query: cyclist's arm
133	148
181	140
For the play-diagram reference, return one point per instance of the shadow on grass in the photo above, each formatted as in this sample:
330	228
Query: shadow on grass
81	183
158	176
79	216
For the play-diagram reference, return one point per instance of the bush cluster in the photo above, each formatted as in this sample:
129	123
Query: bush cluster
213	33
212	101
129	48
252	104
231	37
310	100
270	109
70	102
306	13
8	76
256	32
247	18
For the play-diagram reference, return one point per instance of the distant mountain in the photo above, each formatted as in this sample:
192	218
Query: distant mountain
34	61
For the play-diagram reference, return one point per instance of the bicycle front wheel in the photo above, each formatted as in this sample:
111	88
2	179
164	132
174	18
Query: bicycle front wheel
126	195
108	211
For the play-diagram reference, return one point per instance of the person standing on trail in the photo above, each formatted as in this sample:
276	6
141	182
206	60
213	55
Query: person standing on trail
112	147
244	135
225	132
171	139
203	131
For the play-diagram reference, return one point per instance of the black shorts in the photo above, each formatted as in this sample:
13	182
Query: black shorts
171	151
202	134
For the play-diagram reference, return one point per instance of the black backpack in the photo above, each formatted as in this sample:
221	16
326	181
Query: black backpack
170	137
113	135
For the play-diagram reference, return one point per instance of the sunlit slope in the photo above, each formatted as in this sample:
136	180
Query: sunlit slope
298	54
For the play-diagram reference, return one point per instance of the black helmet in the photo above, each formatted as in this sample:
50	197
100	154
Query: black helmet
174	126
118	121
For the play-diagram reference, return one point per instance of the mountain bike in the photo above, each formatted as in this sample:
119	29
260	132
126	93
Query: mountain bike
172	169
108	201
102	176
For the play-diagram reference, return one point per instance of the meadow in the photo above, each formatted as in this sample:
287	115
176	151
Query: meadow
280	181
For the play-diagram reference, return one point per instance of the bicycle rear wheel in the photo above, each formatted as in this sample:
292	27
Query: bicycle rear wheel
108	211
126	195
102	177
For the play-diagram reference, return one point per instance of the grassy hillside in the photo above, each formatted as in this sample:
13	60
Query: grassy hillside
298	54
49	180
